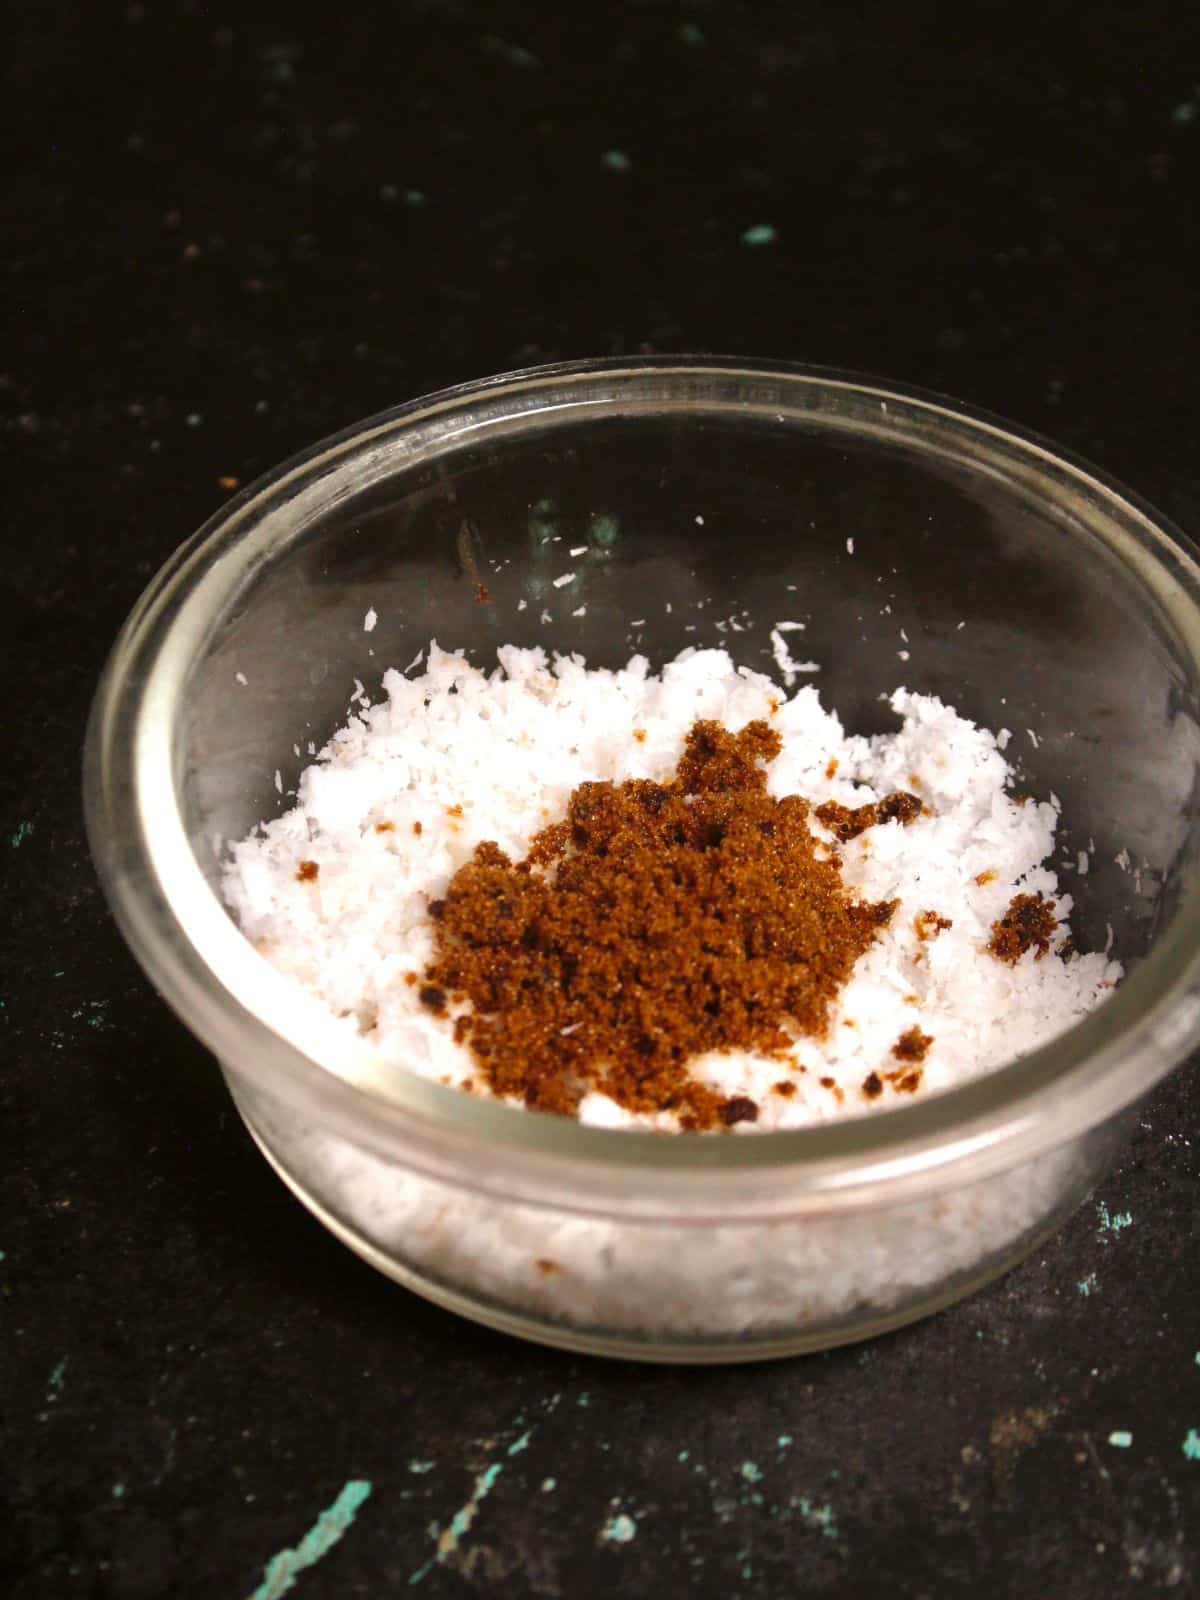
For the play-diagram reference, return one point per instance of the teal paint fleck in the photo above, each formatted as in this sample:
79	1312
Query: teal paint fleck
1086	1285
616	161
414	198
520	1444
1191	1445
118	1491
604	531
1112	1224
690	34
450	1537
421	1467
513	55
784	1440
683	1455
818	1517
55	1387
549	1485
93	1014
620	1529
22	833
761	233
751	1472
1197	1352
1121	1438
2	1257
281	1572
1187	110
585	1399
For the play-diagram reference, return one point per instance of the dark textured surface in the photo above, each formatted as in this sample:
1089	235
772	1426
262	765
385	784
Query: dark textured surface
240	227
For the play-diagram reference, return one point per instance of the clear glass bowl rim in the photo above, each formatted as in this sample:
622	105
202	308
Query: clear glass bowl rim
1078	1081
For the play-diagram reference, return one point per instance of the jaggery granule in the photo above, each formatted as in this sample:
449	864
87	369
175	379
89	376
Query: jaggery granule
657	922
308	872
847	822
929	924
912	1045
1028	924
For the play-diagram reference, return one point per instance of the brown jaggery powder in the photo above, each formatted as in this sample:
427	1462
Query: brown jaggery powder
659	921
1028	924
912	1045
929	924
847	822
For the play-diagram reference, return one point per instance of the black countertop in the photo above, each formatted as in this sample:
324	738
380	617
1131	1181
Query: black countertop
240	227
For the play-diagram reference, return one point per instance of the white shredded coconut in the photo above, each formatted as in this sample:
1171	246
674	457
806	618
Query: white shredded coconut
789	668
466	756
563	579
369	621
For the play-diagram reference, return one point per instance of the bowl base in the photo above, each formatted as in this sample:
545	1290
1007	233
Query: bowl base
653	1350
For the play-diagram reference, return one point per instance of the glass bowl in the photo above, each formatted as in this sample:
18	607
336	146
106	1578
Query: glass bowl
1035	594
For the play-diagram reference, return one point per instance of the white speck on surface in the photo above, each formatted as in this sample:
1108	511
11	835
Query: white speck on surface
1121	1438
241	677
1083	863
960	625
579	611
850	547
699	521
638	622
278	780
564	578
1033	738
903	654
545	617
369	621
791	627
521	604
620	1529
578	550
